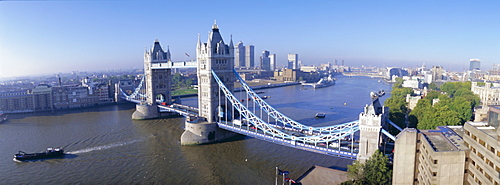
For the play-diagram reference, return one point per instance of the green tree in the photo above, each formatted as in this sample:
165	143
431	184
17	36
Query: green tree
462	107
432	95
375	170
399	80
433	86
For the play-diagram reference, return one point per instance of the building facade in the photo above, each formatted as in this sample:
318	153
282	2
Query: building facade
468	154
217	56
249	57
293	61
239	55
272	62
265	61
474	64
489	94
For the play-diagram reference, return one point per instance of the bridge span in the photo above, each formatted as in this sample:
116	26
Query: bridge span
221	115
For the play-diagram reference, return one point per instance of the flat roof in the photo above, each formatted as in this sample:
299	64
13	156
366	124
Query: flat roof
445	139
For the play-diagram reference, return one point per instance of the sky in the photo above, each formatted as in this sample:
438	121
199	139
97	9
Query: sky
49	37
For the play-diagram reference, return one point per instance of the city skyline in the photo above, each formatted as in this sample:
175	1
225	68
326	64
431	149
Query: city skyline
56	37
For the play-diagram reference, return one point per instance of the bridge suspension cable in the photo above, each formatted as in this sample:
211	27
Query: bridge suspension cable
273	130
288	121
137	95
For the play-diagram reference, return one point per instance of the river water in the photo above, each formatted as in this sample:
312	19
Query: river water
105	146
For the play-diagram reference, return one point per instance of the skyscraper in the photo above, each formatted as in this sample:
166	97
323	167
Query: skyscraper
265	63
293	60
239	55
437	73
475	64
272	61
249	56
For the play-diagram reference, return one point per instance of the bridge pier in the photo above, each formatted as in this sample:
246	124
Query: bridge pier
145	111
198	131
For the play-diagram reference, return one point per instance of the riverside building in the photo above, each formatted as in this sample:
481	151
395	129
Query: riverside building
468	154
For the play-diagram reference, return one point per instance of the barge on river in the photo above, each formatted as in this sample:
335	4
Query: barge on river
49	153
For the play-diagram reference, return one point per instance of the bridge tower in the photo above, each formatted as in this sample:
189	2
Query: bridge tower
158	82
371	121
217	56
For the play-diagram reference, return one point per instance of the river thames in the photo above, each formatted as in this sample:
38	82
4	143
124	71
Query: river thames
105	146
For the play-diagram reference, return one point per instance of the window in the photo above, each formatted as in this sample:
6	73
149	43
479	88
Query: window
435	161
480	155
488	177
481	142
434	174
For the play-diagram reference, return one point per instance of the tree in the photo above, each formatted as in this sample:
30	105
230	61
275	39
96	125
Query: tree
375	170
433	86
462	107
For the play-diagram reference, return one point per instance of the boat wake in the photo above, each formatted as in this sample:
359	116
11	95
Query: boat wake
103	147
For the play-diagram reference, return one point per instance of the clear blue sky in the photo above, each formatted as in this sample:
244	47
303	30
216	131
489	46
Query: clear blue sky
47	37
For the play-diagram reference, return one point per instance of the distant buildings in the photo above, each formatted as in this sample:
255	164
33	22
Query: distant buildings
475	64
249	56
489	95
47	98
272	61
293	61
239	55
437	73
265	61
244	56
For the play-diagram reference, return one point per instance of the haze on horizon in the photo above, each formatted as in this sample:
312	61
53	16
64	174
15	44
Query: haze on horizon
49	37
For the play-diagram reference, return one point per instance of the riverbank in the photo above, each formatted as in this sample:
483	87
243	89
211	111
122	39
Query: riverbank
264	84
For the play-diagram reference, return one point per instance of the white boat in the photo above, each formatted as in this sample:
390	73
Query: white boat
320	115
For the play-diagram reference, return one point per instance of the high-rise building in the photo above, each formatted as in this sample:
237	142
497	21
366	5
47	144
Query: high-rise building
467	154
239	55
272	61
249	56
475	64
293	61
437	73
265	63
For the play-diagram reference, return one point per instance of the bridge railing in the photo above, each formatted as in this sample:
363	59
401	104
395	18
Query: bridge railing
286	120
272	130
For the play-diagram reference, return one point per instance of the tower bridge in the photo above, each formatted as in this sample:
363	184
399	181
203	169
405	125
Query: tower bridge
220	115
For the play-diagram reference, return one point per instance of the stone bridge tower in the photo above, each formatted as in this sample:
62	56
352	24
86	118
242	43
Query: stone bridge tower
158	82
214	55
371	121
217	56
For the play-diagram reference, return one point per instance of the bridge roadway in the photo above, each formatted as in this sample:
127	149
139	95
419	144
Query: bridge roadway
322	149
179	108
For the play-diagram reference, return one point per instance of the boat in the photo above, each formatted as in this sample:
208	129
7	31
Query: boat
3	117
324	82
320	115
49	153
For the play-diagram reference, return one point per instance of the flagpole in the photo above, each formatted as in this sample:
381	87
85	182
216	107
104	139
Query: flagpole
283	179
276	175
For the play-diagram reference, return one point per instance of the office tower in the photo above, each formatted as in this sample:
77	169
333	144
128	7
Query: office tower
474	64
272	61
265	63
239	55
249	56
293	60
437	73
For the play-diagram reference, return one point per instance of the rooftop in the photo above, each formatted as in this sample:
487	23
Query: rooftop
445	139
486	128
